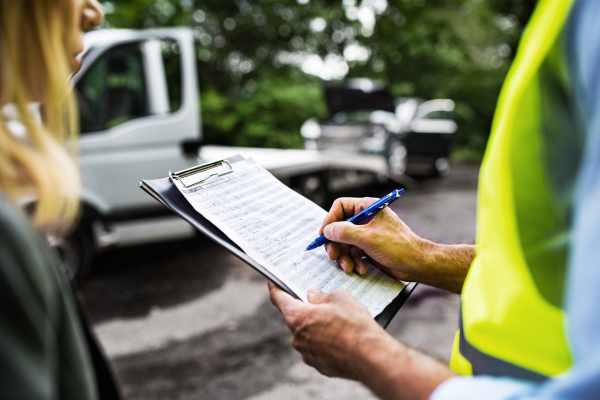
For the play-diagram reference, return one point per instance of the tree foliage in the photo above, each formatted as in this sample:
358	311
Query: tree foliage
251	54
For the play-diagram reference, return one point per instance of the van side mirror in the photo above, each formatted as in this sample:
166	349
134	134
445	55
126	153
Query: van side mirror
190	148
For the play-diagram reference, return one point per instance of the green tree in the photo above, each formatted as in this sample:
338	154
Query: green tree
254	92
448	49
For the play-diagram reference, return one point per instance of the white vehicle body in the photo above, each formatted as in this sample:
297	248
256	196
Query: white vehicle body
134	128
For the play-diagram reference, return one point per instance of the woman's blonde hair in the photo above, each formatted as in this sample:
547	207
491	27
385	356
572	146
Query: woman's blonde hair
34	67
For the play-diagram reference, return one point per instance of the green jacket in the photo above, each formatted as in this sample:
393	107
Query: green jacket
46	349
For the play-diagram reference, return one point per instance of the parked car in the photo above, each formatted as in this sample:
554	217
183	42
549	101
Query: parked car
140	118
411	134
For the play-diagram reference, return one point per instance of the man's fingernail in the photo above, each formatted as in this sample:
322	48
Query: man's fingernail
313	291
328	231
363	269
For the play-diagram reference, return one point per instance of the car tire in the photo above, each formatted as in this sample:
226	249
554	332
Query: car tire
76	252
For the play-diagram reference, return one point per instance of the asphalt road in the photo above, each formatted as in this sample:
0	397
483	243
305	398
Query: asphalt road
187	320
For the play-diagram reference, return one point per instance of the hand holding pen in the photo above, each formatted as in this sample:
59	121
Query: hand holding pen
385	240
357	218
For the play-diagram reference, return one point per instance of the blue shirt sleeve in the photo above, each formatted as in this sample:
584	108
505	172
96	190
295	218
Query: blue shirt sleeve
582	381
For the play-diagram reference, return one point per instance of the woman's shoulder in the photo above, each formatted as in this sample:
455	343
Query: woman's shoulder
12	220
40	317
16	233
25	261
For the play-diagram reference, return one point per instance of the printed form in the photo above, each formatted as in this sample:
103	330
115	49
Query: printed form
273	224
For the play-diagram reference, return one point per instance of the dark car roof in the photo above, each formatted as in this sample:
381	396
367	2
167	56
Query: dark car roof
343	98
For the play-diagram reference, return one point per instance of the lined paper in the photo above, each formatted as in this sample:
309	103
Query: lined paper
273	224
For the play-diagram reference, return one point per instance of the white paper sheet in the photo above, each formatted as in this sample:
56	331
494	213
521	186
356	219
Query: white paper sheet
273	224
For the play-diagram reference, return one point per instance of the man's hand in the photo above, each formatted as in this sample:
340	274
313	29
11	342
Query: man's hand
393	246
329	330
336	335
386	239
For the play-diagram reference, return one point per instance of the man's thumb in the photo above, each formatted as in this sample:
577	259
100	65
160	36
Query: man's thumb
342	232
315	295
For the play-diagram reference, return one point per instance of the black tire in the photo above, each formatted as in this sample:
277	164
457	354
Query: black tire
76	252
315	188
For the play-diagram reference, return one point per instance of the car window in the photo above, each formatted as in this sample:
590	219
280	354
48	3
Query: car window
113	90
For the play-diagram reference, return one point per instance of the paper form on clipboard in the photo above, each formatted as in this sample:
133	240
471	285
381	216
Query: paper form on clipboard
273	224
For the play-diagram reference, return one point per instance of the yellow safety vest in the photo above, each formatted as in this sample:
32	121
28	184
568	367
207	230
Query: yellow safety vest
512	321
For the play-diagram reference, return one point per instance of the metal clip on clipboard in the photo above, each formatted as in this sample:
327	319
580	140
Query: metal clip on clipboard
189	177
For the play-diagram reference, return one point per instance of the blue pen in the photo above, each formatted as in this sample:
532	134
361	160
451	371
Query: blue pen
361	216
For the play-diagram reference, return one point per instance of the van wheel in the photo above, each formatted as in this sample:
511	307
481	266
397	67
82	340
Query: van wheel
76	253
314	187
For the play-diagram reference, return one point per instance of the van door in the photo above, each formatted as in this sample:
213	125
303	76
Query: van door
135	118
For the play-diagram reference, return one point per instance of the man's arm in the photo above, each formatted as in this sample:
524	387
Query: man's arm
336	335
394	371
394	247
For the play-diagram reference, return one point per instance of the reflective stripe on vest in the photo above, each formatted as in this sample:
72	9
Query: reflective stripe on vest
512	322
484	364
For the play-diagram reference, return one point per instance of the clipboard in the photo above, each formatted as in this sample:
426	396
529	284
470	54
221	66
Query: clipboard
165	191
